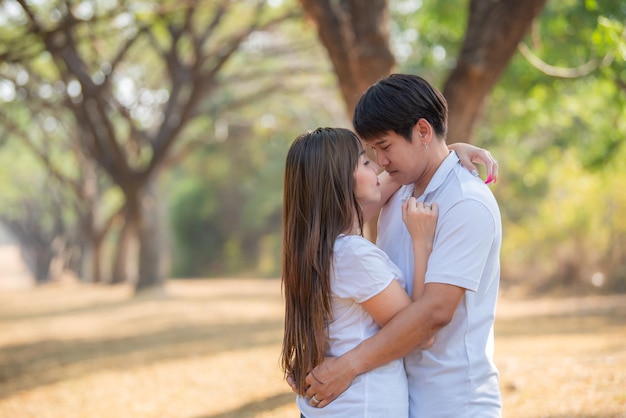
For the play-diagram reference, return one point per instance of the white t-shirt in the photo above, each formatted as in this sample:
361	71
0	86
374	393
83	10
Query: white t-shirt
361	271
456	377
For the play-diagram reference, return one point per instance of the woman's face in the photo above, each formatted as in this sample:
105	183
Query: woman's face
367	187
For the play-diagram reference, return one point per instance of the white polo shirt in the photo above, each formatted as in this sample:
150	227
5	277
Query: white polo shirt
456	377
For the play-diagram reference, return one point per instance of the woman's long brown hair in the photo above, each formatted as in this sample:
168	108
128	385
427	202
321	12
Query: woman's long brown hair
318	205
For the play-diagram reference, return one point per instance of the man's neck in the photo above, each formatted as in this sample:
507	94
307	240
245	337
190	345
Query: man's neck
419	187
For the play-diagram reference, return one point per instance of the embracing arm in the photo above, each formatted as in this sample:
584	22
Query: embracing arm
421	221
461	242
398	337
382	307
434	310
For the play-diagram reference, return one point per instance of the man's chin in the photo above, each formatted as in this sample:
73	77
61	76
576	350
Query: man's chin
399	178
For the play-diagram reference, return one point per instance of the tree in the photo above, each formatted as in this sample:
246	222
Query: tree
71	195
356	35
494	30
134	90
556	122
41	232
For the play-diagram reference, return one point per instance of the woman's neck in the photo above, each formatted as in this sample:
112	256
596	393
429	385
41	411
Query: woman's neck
355	229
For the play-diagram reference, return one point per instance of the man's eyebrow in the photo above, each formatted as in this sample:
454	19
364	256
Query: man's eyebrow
380	141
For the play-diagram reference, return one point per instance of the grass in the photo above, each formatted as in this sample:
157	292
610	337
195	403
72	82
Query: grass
209	349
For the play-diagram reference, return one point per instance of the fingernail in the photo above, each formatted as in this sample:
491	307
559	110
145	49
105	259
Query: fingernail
474	173
489	179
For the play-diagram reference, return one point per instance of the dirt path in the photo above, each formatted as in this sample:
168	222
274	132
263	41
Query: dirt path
210	350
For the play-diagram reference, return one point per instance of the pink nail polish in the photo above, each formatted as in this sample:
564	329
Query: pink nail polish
489	179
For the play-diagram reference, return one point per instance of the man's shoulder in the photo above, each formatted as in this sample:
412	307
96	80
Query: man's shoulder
467	187
466	198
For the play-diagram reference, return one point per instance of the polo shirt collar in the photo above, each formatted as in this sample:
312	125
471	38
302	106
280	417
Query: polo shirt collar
441	174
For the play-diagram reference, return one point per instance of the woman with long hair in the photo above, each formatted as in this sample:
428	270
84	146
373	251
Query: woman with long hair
339	288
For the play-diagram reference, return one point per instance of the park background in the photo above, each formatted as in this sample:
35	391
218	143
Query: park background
142	147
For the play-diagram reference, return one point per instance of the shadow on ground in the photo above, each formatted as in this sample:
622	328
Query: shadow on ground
251	409
42	362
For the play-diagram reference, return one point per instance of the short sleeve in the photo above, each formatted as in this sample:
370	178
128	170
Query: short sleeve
361	270
465	238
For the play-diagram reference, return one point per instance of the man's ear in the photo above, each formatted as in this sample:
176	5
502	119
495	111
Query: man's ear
422	131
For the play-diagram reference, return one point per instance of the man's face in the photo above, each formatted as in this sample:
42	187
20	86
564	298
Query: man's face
403	160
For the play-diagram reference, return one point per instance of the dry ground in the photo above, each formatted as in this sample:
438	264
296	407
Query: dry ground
210	350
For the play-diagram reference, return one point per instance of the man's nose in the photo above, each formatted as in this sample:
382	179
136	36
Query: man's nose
381	160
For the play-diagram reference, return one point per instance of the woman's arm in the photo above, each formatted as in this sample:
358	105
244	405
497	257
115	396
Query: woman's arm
420	219
387	303
382	307
470	154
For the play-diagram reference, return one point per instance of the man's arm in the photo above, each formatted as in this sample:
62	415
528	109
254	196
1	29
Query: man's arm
411	327
462	243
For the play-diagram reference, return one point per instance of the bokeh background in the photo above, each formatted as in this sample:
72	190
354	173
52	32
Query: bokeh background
146	140
142	143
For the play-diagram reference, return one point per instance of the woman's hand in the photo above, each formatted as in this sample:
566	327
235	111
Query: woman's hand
470	154
420	219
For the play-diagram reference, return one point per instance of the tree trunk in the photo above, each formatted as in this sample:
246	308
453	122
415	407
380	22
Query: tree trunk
119	271
152	263
355	34
38	258
91	263
87	262
494	30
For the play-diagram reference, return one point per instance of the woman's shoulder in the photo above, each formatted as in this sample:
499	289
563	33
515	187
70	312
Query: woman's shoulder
353	241
360	269
356	246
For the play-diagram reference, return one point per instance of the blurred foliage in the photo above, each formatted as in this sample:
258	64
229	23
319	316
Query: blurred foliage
427	36
226	198
559	141
558	138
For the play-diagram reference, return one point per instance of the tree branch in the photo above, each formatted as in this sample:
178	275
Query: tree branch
553	71
199	84
42	156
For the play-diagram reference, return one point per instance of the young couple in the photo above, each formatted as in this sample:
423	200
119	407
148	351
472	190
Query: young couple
403	328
